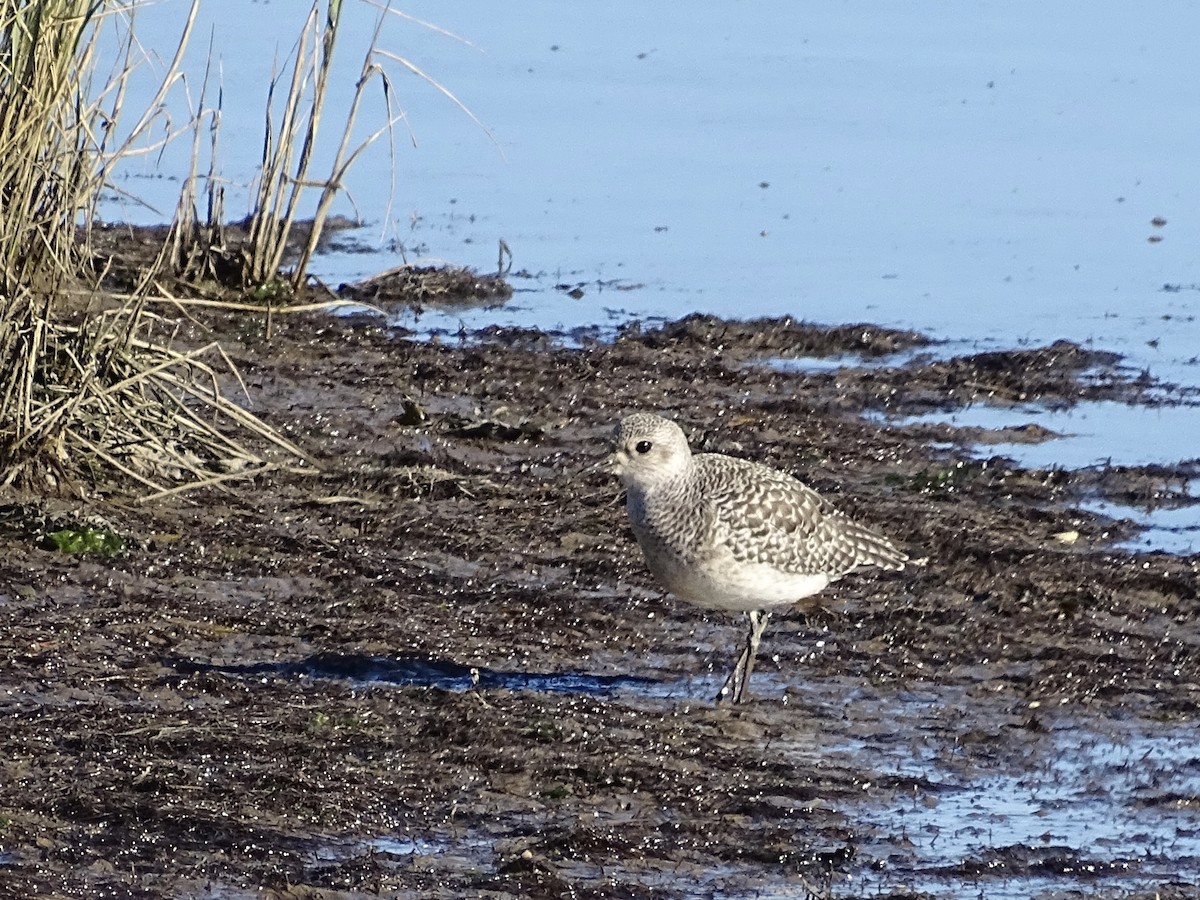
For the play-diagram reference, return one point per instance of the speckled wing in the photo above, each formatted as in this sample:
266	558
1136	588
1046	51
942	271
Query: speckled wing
766	516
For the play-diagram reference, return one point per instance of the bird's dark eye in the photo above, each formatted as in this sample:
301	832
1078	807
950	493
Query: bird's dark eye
642	447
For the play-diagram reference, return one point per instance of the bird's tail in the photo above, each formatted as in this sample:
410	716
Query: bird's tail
867	547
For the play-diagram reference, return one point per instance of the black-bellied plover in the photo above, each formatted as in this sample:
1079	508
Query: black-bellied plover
732	534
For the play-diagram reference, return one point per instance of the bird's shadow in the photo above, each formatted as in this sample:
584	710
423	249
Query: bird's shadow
423	671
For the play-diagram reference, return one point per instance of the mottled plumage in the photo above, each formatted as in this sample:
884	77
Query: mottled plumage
731	534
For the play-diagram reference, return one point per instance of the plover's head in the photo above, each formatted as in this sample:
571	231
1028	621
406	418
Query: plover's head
650	450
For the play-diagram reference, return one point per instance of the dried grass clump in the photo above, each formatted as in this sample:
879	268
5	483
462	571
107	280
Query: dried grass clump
111	397
47	174
200	248
295	114
86	395
90	385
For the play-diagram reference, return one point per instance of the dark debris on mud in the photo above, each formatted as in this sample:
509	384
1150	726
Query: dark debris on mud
165	738
783	337
421	286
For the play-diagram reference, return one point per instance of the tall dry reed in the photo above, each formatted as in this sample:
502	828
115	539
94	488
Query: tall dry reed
90	387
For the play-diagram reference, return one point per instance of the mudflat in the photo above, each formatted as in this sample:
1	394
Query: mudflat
430	662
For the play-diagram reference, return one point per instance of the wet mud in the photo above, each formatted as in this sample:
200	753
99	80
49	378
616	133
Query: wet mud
435	666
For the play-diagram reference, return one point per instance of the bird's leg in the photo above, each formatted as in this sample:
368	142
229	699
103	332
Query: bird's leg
732	688
758	624
735	685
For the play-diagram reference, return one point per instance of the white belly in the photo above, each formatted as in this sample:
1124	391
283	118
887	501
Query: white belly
723	583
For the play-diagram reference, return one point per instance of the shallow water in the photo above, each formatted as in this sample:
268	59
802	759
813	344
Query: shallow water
1099	433
995	187
1118	809
1170	530
1093	433
812	365
1110	803
999	183
426	672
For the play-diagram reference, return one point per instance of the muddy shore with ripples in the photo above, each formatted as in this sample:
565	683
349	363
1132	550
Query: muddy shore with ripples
436	666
